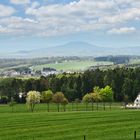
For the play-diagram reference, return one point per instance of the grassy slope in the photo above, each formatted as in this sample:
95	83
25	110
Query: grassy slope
72	65
97	125
134	61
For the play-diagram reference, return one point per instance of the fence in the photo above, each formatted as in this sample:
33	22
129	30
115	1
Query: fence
136	137
84	137
70	107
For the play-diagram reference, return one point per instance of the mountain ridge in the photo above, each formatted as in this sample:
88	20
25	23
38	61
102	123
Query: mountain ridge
76	48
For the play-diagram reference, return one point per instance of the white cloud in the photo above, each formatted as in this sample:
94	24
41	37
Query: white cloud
76	16
73	8
123	30
35	4
6	10
126	1
20	1
126	15
71	17
17	26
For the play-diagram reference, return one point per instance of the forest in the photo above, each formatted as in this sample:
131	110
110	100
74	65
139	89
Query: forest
125	83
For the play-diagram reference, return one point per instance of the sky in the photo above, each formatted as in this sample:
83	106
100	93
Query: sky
33	24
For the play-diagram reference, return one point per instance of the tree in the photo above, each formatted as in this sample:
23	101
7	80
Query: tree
47	97
87	99
3	99
12	103
107	94
64	103
58	99
127	89
126	99
95	97
33	97
96	89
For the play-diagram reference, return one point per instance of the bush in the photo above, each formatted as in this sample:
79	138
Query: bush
3	99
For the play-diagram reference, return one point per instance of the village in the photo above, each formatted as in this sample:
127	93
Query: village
31	72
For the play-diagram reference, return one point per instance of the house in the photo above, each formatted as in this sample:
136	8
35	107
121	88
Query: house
136	104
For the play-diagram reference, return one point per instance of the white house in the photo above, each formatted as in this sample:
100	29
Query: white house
137	101
136	104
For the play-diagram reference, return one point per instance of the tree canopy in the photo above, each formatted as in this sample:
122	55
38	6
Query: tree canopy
33	97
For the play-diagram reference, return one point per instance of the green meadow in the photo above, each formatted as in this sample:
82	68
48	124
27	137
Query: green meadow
113	123
72	65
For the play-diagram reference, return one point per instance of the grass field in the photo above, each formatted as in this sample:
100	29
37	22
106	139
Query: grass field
71	65
134	61
114	124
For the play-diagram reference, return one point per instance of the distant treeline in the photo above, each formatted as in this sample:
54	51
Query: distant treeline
5	63
117	59
125	82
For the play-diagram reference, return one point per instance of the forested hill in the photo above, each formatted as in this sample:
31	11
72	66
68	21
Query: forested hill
124	82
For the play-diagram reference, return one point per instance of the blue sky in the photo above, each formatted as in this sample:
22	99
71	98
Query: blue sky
33	24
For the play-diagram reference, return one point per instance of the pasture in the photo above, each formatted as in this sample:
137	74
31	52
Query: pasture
110	124
72	65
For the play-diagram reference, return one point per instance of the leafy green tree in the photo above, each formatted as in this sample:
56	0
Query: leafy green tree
10	86
127	89
69	93
106	94
64	103
135	91
126	99
96	89
3	99
58	99
87	100
33	97
47	97
123	81
117	82
95	97
77	87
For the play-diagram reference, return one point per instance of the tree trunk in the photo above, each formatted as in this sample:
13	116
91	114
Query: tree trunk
64	108
32	107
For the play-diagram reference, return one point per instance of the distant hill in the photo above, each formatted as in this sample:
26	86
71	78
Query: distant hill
76	49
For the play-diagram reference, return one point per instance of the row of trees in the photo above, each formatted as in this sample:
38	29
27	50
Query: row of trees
34	97
123	81
99	95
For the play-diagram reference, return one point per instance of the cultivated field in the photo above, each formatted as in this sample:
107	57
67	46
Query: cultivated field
72	65
114	124
134	61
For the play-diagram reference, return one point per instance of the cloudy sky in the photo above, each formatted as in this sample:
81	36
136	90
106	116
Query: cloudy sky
30	24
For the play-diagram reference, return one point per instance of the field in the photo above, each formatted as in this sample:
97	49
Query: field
134	61
114	124
72	65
